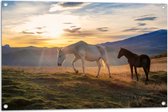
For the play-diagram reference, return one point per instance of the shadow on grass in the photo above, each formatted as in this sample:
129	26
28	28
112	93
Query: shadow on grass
73	91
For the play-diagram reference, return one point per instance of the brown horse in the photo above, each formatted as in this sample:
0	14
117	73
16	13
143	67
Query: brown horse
135	61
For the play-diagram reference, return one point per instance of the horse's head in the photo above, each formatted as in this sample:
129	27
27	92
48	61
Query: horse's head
61	57
120	54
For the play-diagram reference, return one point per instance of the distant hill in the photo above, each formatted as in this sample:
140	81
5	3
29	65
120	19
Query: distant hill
152	44
29	56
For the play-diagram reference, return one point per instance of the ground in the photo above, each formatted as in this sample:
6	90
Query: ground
60	88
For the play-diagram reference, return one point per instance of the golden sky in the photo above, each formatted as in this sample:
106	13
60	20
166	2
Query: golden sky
57	24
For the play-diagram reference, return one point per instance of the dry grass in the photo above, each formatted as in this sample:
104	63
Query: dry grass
118	72
55	88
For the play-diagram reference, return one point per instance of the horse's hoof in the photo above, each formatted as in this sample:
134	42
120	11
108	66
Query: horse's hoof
76	71
109	76
97	76
84	75
146	83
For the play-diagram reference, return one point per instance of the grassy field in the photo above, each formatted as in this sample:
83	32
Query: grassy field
60	88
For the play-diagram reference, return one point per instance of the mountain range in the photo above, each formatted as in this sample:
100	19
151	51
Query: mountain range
152	43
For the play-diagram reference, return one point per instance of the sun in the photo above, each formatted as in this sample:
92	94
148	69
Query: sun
42	26
52	32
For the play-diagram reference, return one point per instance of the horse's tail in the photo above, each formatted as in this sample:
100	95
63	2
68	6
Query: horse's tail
148	66
103	52
102	63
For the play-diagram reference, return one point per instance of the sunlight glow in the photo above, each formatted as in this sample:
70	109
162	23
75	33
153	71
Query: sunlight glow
60	23
48	25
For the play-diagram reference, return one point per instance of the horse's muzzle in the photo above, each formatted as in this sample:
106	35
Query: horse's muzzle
59	64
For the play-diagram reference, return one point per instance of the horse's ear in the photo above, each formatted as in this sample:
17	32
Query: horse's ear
58	49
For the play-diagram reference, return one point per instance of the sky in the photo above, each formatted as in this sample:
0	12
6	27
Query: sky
58	24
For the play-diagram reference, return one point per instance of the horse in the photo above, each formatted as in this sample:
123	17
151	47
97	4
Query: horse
84	51
135	61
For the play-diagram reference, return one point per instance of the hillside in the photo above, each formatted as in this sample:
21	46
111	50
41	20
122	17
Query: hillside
29	56
152	43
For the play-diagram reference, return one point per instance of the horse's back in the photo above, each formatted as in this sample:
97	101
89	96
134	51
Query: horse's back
144	59
90	49
143	56
92	53
140	60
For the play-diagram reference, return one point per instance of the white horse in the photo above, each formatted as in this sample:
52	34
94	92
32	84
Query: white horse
84	51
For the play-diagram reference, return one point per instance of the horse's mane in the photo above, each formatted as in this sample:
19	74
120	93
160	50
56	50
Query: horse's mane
128	51
68	47
80	42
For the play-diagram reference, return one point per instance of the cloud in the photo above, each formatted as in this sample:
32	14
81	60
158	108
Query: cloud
73	30
70	4
146	18
18	12
64	6
131	29
67	23
140	29
27	40
25	8
73	26
148	29
38	32
27	32
141	24
82	21
146	15
103	29
106	8
81	34
40	27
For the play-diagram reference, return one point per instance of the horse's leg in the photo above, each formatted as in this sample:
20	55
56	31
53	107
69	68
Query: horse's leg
81	53
83	66
136	73
131	68
146	73
99	67
107	65
73	64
